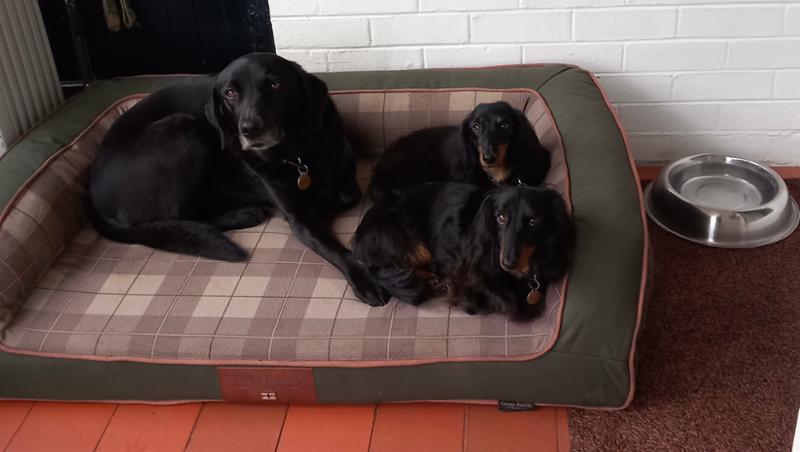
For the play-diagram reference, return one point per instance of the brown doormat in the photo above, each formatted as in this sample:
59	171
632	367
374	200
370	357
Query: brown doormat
719	362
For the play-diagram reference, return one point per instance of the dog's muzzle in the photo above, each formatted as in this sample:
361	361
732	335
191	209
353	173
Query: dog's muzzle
495	157
261	143
522	265
486	158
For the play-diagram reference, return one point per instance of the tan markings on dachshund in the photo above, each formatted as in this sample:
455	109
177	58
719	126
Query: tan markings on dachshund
524	263
499	171
419	256
424	274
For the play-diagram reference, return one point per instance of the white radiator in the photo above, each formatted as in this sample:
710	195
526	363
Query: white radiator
29	86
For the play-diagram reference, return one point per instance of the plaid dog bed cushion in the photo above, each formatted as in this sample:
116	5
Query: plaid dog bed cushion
65	291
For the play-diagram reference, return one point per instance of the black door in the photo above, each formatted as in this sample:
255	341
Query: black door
170	36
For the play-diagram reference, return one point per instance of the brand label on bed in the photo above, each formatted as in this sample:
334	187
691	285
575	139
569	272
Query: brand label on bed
279	385
505	405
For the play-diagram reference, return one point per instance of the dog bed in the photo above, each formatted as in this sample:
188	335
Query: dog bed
83	318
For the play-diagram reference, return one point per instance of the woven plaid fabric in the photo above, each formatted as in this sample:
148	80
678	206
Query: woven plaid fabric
68	291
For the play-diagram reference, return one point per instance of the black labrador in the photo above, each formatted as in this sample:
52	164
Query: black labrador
215	153
495	144
489	250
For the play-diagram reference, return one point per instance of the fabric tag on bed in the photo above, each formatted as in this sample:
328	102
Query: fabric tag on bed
505	405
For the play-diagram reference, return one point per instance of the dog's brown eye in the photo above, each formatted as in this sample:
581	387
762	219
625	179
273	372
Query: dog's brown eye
533	222
501	218
476	127
502	125
231	93
275	84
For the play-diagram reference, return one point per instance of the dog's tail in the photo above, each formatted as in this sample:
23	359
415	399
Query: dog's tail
178	236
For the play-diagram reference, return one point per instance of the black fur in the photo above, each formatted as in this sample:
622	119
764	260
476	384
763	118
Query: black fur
472	153
214	153
481	263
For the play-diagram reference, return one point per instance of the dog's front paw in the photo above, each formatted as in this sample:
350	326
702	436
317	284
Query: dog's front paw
365	287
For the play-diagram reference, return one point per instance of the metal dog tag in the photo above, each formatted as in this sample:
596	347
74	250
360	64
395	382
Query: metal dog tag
303	181
534	296
303	178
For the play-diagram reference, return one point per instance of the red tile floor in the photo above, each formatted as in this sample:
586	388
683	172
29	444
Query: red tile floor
199	427
196	427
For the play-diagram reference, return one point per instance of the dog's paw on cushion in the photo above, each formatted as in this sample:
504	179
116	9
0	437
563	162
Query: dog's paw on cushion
365	286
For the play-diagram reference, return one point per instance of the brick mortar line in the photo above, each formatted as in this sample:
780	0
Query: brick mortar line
621	41
522	9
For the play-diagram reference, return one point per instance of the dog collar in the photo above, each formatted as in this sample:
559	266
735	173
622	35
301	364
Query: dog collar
303	178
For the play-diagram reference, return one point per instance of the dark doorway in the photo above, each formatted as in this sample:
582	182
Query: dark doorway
170	36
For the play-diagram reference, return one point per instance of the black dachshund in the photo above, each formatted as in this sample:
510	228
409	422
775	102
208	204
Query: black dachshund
495	144
215	153
490	250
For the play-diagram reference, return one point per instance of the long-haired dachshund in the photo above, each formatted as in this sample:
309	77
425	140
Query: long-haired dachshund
220	152
495	144
491	250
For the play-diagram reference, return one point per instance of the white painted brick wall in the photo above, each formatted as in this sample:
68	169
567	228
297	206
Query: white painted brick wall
308	33
792	22
374	59
624	24
606	57
671	56
726	22
405	30
722	85
467	5
669	117
687	76
632	88
462	56
367	7
764	54
521	26
787	85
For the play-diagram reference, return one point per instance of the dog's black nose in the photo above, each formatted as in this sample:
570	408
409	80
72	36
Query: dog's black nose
489	160
507	264
250	128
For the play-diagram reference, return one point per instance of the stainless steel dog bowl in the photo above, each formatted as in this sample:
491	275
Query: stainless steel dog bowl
722	201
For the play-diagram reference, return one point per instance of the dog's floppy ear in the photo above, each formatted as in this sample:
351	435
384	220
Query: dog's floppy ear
525	138
484	233
470	157
316	92
552	254
527	152
214	114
